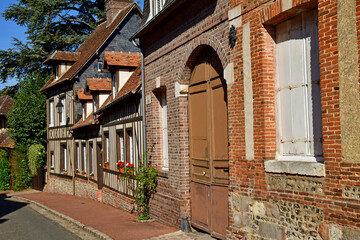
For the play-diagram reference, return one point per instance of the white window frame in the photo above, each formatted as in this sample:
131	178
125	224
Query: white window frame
52	160
107	147
65	158
114	90
83	111
51	113
164	126
63	113
85	158
307	101
99	66
122	147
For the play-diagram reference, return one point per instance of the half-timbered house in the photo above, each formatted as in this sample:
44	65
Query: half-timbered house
78	98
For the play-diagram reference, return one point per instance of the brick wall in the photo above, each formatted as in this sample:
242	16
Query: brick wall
170	55
89	189
285	206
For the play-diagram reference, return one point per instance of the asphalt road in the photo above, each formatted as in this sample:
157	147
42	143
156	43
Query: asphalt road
18	221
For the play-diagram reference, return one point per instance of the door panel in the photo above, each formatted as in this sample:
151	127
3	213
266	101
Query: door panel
209	163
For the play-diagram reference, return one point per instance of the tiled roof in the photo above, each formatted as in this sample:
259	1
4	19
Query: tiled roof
132	85
91	45
125	59
99	84
5	140
6	104
87	122
63	56
82	96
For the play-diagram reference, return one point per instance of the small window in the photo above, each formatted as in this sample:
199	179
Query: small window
114	89
52	160
83	111
56	72
100	66
129	146
91	167
107	150
62	115
63	158
51	113
164	125
84	159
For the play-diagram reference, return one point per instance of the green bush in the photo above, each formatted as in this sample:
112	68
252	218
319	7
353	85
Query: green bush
21	176
4	170
36	155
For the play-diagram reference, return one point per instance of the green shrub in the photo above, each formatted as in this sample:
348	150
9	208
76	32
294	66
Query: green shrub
147	180
21	176
4	170
36	155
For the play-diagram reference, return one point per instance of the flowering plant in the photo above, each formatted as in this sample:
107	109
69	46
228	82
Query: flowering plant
83	173
77	171
91	174
120	164
106	163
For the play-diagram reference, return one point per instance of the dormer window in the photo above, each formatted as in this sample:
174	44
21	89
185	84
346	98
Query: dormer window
155	7
114	89
56	72
100	66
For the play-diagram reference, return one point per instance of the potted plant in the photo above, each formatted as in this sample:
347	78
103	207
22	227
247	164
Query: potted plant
77	171
120	166
92	175
64	171
83	173
106	165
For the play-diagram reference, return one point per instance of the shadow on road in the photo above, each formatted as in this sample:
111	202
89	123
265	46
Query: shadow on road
7	206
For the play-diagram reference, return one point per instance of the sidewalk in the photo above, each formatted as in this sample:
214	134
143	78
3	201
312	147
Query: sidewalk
102	219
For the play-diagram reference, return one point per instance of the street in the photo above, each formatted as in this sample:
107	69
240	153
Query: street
20	221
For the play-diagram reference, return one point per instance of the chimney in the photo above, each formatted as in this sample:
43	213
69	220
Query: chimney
113	7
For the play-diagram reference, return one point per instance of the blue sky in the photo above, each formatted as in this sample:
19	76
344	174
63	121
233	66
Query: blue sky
10	30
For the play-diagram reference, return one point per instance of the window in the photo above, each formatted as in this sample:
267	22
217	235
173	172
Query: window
83	111
129	146
120	146
91	167
114	89
164	126
96	100
107	150
298	89
77	154
99	66
52	160
63	158
51	113
56	72
62	115
84	165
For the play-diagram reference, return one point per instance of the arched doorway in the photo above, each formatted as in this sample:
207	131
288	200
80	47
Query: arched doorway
209	163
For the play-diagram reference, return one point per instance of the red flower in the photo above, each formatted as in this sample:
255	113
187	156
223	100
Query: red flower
117	177
131	165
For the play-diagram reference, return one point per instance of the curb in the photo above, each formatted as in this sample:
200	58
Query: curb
89	229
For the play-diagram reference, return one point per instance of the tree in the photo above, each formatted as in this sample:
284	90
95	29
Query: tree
27	118
51	25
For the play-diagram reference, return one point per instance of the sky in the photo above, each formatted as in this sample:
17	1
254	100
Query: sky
10	30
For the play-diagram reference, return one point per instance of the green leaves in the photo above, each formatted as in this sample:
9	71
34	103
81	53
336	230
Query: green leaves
4	170
51	25
36	156
27	119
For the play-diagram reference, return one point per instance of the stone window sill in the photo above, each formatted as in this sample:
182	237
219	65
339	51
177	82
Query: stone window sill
307	168
163	173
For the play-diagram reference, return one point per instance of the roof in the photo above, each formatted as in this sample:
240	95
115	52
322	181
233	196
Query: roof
62	56
87	122
122	59
99	84
130	88
6	104
5	140
91	45
81	95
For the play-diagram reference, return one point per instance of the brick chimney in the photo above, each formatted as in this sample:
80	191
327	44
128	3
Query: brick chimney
113	7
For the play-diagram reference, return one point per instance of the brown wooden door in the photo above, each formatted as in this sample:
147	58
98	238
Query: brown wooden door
209	165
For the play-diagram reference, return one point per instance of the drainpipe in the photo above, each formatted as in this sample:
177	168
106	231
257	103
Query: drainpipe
142	100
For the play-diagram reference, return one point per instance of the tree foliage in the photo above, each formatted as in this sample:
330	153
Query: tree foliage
37	156
51	25
27	118
4	170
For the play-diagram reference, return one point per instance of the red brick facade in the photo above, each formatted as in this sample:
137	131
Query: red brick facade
262	204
